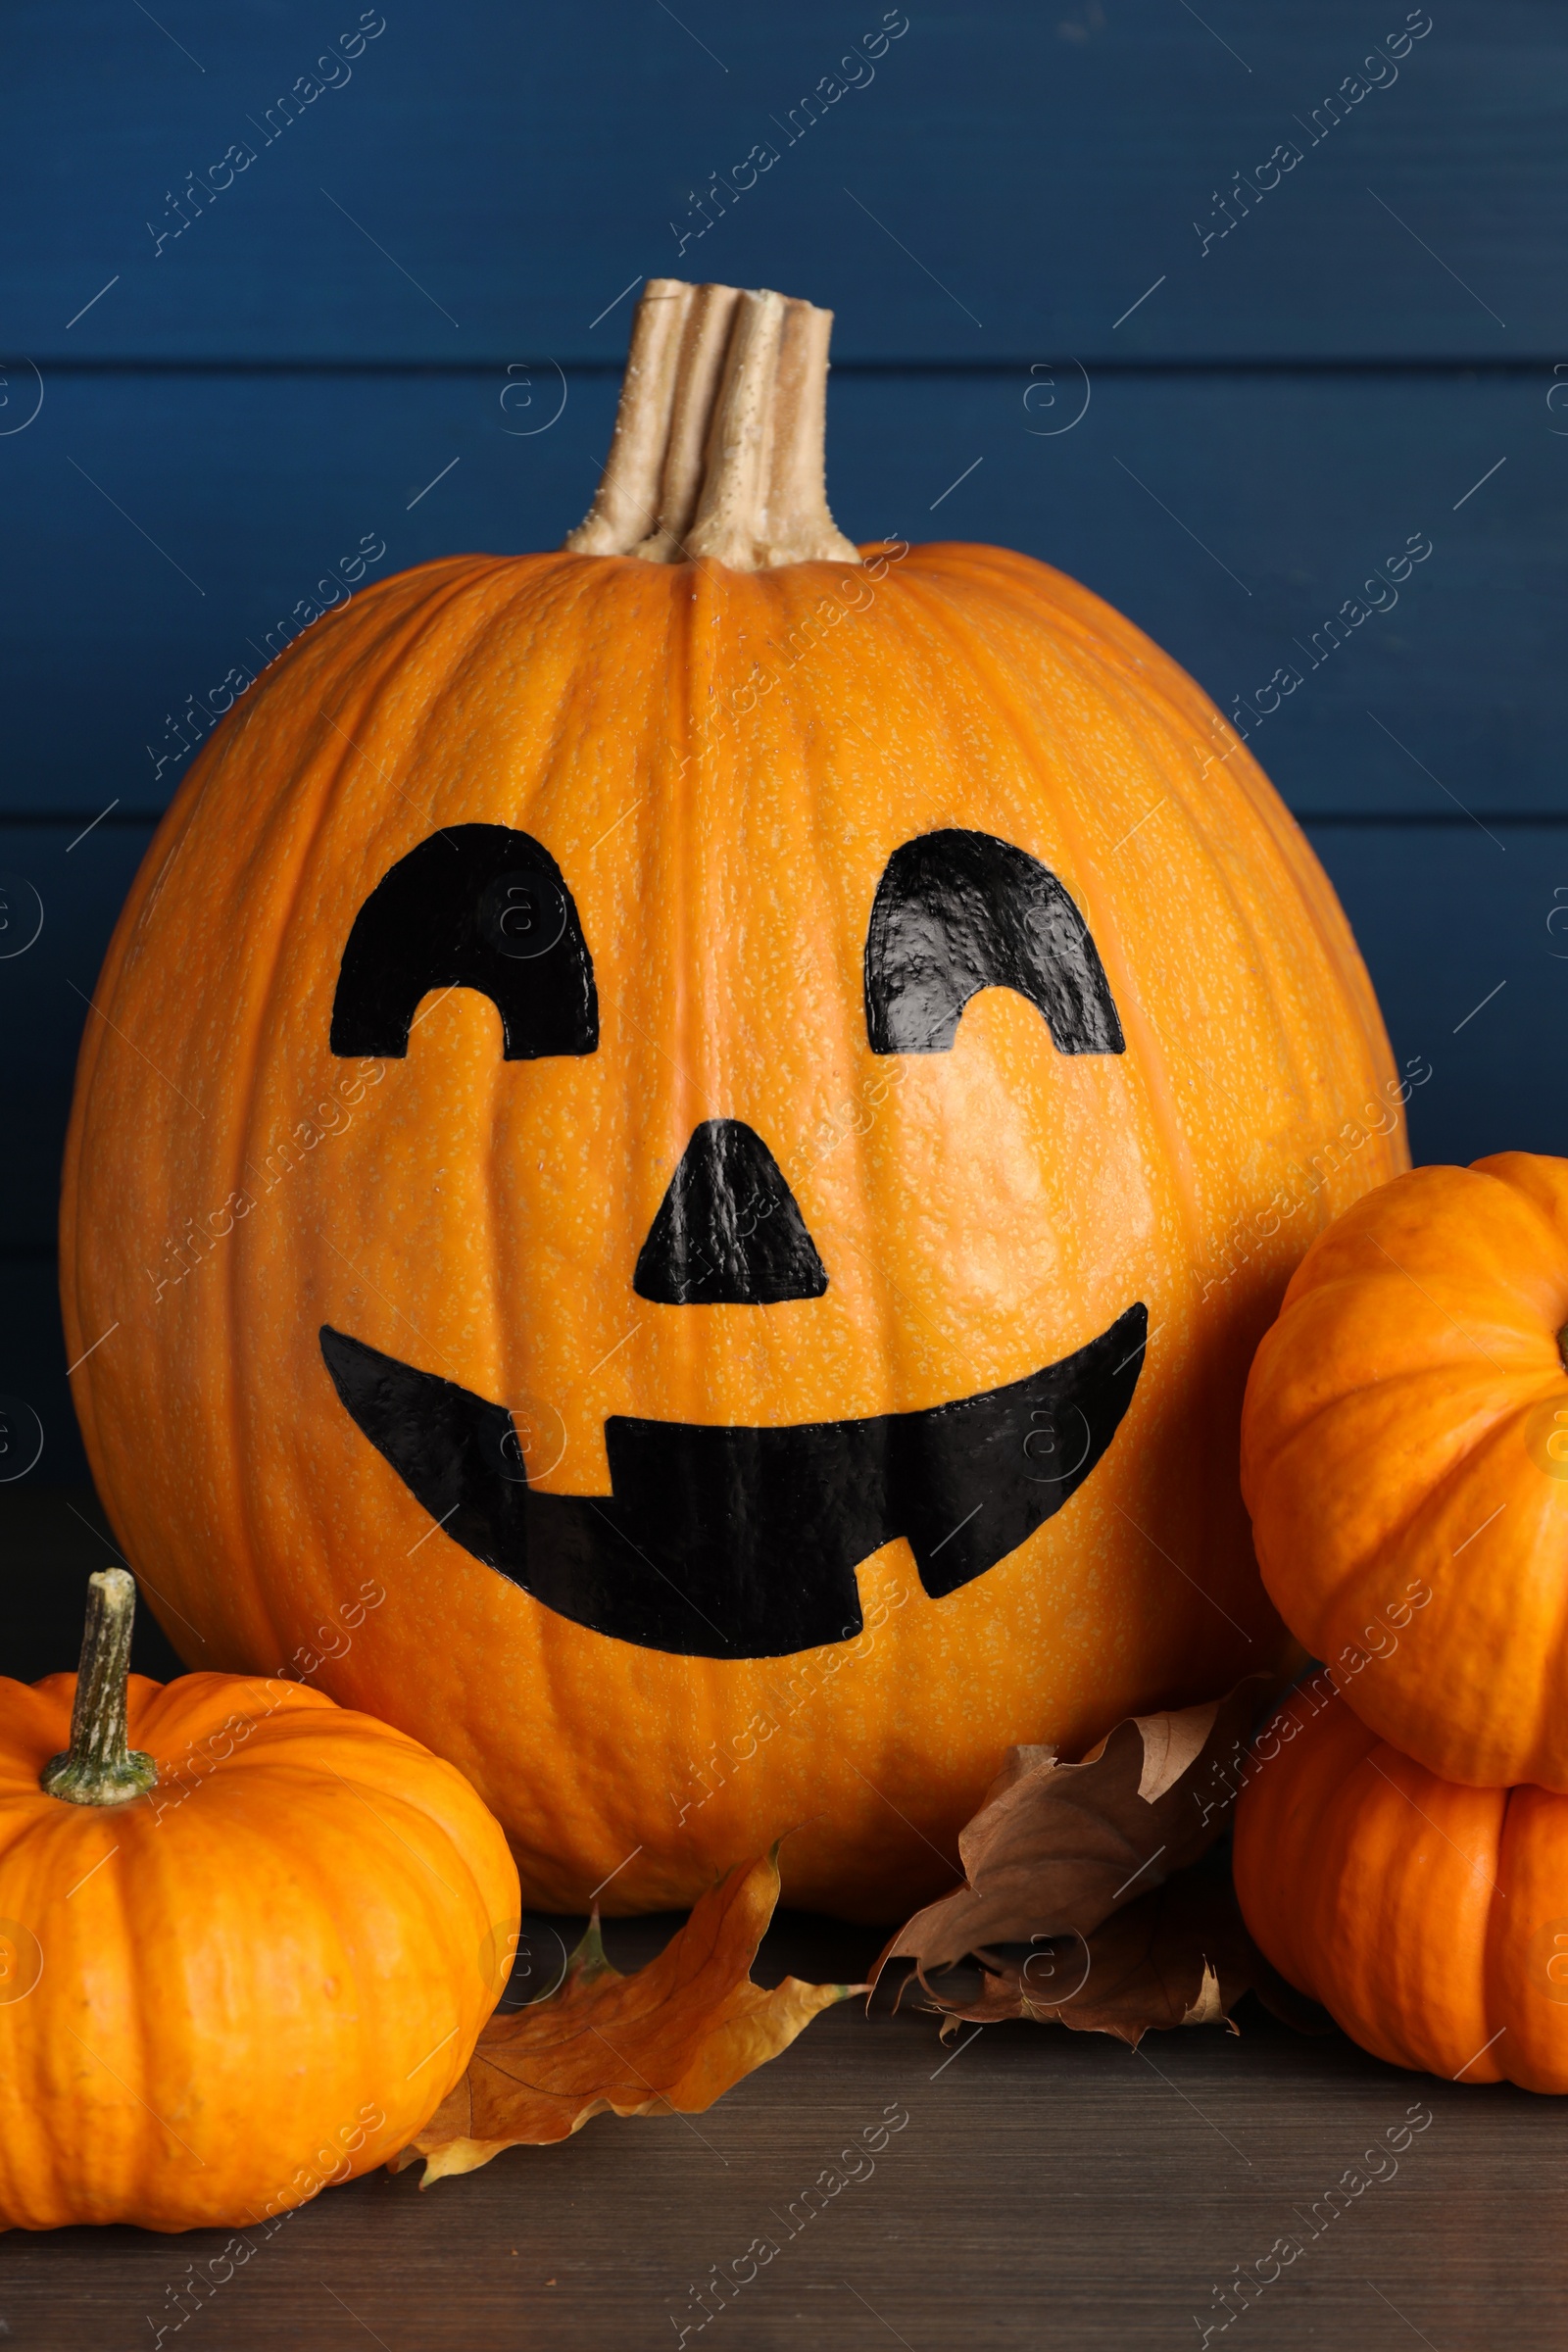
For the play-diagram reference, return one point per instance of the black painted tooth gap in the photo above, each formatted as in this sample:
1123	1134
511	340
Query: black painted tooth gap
739	1542
956	912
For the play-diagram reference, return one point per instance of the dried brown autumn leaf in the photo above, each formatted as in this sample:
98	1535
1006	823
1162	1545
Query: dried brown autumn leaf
1179	1956
1073	1859
1055	1847
672	2037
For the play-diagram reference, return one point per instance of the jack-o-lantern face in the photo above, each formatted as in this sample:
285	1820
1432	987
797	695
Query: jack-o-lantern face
719	1540
682	1168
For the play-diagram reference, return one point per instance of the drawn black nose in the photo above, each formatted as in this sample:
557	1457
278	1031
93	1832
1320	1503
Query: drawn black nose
729	1231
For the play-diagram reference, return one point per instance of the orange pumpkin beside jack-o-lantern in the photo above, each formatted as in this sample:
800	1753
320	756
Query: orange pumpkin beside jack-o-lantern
676	1102
1427	1917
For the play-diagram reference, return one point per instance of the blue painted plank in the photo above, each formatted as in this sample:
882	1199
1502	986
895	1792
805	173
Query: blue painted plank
55	1542
40	1441
161	529
1466	938
1003	179
59	898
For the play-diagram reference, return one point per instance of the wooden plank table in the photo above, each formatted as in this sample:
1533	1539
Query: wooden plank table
1034	2187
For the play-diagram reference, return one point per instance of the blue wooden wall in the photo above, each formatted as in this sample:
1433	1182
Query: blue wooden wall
1216	311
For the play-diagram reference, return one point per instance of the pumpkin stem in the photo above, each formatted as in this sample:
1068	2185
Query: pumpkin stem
98	1768
719	441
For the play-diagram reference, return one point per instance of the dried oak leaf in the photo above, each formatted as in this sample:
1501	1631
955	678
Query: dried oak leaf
1075	1858
670	2039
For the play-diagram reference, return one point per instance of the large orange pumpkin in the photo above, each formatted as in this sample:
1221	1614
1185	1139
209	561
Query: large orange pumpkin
1407	1433
530	1150
243	1960
1431	1920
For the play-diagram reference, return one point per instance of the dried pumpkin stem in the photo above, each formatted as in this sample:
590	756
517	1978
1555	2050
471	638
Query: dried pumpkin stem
717	450
99	1768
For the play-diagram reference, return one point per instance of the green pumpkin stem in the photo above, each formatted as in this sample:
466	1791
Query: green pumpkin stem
99	1768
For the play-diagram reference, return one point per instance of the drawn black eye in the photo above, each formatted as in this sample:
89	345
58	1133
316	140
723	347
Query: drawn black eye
475	907
956	912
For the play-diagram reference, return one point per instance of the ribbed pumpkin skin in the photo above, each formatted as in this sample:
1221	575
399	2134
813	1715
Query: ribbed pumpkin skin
1431	1920
237	1979
1406	1423
482	1219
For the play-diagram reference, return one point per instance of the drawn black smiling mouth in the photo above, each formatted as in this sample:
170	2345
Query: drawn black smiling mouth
739	1542
734	1541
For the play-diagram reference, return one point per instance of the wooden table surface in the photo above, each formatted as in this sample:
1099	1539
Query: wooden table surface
1036	2189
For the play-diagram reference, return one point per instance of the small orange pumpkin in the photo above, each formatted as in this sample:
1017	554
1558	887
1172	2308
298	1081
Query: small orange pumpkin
1431	1920
240	1963
1405	1456
747	1106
